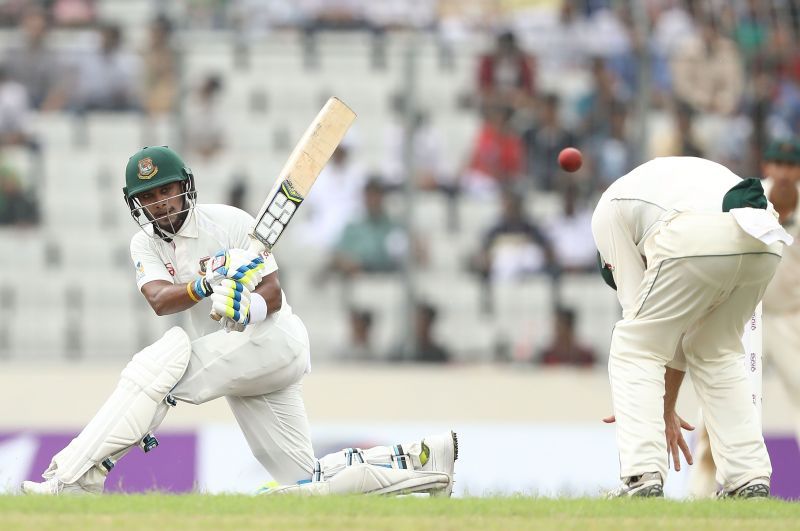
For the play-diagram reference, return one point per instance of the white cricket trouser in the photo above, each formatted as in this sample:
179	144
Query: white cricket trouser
781	340
260	377
782	351
703	279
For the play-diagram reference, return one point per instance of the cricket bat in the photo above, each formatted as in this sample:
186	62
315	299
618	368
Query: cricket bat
299	173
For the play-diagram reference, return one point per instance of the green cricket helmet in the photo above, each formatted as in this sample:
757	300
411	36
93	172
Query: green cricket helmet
150	168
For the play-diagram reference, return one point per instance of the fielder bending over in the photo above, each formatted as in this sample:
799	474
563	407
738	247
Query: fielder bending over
690	248
191	257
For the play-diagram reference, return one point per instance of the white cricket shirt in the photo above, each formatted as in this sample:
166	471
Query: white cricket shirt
683	184
783	292
207	230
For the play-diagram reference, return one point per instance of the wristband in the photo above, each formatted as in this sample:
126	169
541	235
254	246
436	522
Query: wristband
190	291
258	308
199	289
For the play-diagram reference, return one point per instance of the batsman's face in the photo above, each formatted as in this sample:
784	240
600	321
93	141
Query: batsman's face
165	206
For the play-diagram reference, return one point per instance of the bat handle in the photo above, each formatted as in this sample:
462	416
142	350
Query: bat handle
256	246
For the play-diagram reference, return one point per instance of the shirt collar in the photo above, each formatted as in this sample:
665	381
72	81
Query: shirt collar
189	229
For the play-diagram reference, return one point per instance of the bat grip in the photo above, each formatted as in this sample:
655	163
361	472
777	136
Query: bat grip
256	246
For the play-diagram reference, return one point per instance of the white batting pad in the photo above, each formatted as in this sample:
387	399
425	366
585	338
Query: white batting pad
130	411
363	478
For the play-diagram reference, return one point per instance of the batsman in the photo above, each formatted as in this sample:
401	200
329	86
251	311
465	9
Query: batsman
191	257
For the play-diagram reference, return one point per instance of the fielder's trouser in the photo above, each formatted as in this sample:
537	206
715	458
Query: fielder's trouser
782	351
703	280
781	348
260	377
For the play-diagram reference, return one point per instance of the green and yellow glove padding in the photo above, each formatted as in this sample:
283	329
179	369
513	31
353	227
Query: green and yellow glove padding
237	264
232	300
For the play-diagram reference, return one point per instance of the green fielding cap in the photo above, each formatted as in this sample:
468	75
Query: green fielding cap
787	151
152	167
748	193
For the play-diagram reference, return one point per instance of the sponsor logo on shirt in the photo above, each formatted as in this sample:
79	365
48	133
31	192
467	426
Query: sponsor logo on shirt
139	271
170	268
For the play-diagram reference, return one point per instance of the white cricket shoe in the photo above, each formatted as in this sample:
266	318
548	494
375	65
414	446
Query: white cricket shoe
442	455
648	485
53	487
755	488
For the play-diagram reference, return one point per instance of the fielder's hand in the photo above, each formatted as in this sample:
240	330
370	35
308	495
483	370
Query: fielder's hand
230	303
236	264
676	444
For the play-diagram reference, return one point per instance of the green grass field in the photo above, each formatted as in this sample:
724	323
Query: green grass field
185	513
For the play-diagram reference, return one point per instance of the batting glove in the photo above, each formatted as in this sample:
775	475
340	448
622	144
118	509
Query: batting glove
230	302
237	264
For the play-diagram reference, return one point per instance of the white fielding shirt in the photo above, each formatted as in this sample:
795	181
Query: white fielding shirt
783	292
207	230
682	184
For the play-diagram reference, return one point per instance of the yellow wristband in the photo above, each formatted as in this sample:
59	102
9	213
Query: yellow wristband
191	292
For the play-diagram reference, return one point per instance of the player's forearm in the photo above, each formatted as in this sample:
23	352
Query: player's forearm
270	289
672	384
167	298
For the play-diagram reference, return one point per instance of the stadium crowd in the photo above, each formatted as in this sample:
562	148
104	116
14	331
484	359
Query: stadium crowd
716	79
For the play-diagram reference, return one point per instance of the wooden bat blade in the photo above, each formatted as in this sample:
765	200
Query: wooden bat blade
301	170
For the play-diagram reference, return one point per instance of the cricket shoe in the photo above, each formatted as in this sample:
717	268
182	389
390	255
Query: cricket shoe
54	487
441	452
648	485
755	488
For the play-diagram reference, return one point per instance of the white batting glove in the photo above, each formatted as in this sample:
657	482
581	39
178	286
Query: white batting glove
236	264
230	304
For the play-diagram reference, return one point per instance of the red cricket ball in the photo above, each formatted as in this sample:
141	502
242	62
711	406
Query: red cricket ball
570	159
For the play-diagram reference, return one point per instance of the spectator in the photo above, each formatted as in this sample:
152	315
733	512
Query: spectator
14	113
565	348
424	348
17	206
73	12
497	157
506	75
606	96
107	79
205	119
160	69
427	151
337	198
612	155
570	235
373	243
34	63
359	345
514	246
543	143
679	138
707	71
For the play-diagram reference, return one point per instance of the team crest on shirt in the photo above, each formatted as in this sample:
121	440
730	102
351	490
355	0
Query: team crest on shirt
147	170
170	268
203	262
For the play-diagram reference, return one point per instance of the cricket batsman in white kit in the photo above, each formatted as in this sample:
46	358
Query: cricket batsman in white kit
690	248
192	257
